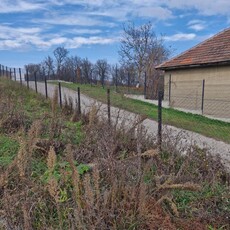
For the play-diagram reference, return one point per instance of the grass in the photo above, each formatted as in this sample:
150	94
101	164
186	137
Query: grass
185	199
218	130
8	150
60	170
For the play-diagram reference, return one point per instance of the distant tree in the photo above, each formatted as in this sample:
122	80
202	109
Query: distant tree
49	66
87	70
32	69
60	54
141	48
155	81
102	69
70	66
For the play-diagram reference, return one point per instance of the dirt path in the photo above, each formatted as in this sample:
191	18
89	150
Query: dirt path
180	138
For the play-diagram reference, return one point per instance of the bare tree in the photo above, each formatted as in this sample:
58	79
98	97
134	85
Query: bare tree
70	66
60	54
87	70
48	66
141	47
33	68
102	69
155	80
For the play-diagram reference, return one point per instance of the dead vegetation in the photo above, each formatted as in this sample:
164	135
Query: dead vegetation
78	172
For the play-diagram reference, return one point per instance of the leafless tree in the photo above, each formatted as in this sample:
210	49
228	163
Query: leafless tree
70	66
87	70
33	68
49	66
102	69
141	47
60	54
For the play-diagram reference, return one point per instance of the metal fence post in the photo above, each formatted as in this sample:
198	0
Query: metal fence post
128	82
20	75
60	97
10	74
202	100
27	78
170	84
35	81
15	78
78	100
145	86
108	102
116	79
159	119
46	88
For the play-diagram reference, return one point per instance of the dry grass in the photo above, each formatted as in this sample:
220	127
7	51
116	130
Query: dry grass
102	176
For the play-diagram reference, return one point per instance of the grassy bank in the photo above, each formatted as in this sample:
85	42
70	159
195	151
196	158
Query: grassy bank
218	130
62	170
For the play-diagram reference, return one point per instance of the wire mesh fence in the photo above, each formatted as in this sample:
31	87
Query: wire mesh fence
186	105
200	97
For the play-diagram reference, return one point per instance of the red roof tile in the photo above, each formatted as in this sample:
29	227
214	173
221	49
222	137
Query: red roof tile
215	50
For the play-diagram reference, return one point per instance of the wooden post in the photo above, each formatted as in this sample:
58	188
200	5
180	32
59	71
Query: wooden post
202	100
0	70
108	102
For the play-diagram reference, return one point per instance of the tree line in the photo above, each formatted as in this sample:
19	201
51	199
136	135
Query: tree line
140	51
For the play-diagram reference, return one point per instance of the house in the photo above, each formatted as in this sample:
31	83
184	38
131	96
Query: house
199	78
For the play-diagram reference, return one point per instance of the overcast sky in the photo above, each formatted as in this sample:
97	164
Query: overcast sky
31	29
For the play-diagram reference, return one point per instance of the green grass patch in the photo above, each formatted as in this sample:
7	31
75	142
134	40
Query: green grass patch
33	104
8	150
207	197
218	130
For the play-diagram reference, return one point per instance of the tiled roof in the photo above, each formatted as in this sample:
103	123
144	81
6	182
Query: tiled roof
215	50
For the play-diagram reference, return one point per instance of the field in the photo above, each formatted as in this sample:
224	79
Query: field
218	130
63	170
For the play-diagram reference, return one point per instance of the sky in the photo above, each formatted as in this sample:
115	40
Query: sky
30	30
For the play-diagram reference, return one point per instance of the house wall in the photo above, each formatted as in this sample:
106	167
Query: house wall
186	90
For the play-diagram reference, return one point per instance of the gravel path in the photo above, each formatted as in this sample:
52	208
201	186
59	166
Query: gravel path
182	139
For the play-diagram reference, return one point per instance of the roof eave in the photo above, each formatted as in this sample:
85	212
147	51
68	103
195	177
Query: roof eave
223	63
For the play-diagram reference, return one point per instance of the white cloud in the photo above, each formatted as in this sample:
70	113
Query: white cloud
66	19
154	12
80	41
7	32
19	38
7	6
71	20
84	31
205	7
196	25
180	37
